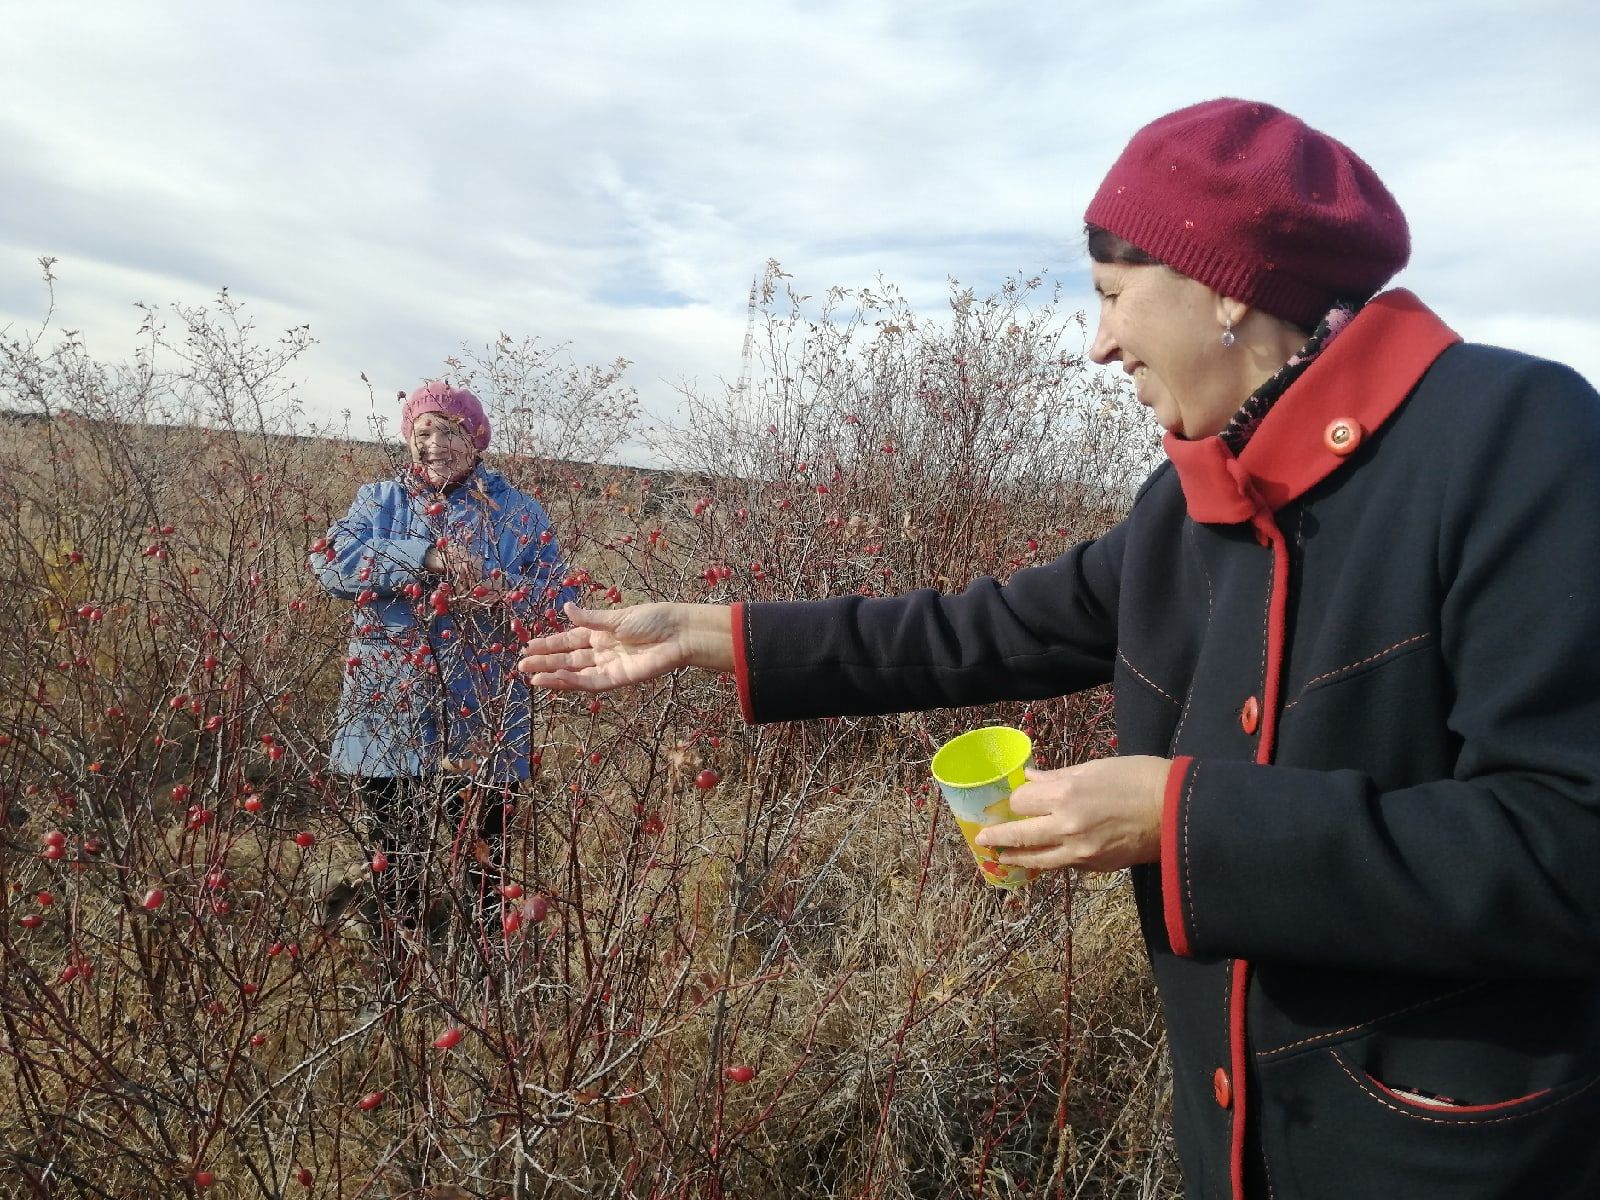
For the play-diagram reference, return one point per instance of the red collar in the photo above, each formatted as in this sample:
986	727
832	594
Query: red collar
1353	387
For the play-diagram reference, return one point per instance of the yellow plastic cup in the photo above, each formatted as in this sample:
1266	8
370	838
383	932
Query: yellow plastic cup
977	772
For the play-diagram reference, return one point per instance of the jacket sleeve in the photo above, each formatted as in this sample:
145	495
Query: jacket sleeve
365	552
1048	631
1494	870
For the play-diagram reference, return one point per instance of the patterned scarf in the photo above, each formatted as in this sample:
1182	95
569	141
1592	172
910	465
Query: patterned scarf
1254	410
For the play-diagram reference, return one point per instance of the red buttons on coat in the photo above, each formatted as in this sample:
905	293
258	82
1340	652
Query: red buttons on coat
1250	715
1222	1088
1342	435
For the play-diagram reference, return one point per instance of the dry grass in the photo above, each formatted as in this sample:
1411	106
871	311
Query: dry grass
814	916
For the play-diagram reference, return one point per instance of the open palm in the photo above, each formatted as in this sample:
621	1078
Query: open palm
606	649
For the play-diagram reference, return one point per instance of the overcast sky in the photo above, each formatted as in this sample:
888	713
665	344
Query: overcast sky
412	176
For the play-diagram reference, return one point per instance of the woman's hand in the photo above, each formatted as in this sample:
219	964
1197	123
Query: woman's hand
607	648
1100	816
464	572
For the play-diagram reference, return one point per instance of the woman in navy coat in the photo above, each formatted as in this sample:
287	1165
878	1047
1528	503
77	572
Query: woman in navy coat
1352	625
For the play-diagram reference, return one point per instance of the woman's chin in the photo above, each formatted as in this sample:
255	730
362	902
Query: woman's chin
439	477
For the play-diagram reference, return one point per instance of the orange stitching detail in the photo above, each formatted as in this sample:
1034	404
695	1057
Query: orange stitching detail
1416	1116
1227	1007
1399	1012
1188	699
1188	874
1371	658
1123	658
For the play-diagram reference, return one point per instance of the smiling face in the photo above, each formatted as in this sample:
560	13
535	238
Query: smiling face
1166	329
442	447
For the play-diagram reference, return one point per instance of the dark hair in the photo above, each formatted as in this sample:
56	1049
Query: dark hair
1107	247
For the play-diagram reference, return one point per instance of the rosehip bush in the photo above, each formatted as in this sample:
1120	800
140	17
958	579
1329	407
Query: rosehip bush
687	957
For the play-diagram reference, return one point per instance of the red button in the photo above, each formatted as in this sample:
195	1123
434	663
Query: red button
1250	715
1342	435
1222	1088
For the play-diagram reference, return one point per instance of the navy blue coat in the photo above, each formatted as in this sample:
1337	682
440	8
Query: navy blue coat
425	688
1371	645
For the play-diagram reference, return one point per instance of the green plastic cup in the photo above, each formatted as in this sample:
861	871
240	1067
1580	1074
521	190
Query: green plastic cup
977	772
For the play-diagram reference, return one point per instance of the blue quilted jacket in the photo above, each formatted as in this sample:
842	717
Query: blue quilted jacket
430	681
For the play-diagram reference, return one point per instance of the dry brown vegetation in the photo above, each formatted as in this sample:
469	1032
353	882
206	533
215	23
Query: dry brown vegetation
169	668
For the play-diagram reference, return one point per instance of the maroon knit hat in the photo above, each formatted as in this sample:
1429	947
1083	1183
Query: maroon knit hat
1256	205
439	396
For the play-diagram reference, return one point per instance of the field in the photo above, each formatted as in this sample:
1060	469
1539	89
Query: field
788	983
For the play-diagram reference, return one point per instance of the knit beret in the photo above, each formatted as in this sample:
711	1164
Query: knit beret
1256	205
439	396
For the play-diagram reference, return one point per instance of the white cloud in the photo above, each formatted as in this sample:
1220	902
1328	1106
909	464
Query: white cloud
613	176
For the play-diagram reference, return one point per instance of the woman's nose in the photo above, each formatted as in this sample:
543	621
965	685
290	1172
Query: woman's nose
1104	348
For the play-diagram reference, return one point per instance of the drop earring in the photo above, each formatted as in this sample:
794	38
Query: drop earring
1227	334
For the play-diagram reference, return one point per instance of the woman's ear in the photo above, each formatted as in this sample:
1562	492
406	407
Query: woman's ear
1230	312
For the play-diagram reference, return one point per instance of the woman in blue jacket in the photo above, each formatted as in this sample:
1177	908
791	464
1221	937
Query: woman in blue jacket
450	568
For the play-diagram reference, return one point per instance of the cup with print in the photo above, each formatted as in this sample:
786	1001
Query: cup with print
976	773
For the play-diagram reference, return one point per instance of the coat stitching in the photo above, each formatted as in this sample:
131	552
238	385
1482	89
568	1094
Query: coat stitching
1182	717
1227	999
1416	1116
1371	658
749	657
1371	1021
1183	855
1188	697
1144	679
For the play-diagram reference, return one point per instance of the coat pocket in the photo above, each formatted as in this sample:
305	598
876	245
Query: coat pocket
1330	1126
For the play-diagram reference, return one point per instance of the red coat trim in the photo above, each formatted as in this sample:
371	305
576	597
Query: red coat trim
741	666
1171	900
1447	1106
1361	378
1277	626
1238	1064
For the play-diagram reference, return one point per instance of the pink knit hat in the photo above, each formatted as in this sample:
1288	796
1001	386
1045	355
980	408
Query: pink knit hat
438	396
1256	205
